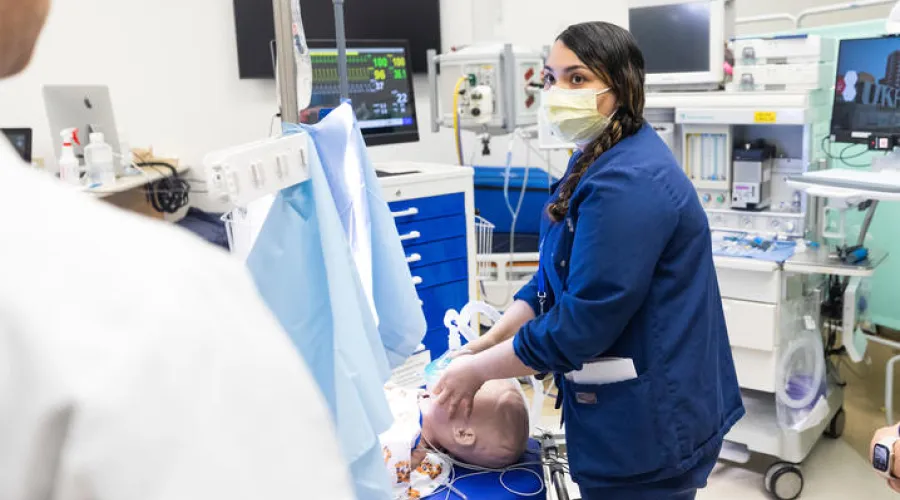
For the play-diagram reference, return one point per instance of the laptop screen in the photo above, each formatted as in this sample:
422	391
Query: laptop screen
20	138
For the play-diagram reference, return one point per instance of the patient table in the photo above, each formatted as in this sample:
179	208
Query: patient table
475	486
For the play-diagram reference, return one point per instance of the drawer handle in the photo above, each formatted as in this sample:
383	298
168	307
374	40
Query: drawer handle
414	258
412	235
409	212
417	280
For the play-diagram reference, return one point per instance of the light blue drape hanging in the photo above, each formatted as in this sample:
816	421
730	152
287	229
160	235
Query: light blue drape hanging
371	232
328	261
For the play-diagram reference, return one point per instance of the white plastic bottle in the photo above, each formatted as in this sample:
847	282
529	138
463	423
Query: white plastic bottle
100	163
69	167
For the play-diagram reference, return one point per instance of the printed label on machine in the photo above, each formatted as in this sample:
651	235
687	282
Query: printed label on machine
765	117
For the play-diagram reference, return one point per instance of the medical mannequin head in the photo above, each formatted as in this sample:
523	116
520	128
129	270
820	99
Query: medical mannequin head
495	435
598	56
20	24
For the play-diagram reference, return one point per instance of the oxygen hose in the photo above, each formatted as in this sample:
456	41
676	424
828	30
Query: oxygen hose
514	212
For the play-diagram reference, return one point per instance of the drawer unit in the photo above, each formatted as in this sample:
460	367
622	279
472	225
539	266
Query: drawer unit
434	233
751	325
439	274
428	208
424	254
755	369
418	232
756	286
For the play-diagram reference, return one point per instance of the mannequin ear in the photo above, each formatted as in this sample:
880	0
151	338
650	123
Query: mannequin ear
464	436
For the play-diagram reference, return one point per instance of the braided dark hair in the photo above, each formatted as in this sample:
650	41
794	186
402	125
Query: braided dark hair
613	55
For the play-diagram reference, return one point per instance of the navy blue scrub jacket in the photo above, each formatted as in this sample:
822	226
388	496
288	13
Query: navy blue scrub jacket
630	273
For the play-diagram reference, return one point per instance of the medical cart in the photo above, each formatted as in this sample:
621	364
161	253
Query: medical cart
760	297
434	208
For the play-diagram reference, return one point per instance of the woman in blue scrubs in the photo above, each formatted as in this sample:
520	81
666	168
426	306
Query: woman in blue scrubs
626	277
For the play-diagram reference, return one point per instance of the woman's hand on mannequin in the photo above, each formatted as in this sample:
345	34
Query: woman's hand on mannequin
458	385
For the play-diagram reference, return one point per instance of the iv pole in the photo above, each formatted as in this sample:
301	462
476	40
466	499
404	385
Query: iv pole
287	67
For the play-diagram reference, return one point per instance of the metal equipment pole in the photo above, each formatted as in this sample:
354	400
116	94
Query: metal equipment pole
866	223
286	65
340	35
554	472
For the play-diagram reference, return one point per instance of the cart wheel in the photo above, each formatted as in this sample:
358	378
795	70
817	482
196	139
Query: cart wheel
836	428
784	481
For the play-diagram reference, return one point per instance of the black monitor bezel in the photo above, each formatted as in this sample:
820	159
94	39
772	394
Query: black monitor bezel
29	140
846	136
384	138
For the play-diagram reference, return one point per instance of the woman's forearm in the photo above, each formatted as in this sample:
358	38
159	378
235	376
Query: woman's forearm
501	362
513	319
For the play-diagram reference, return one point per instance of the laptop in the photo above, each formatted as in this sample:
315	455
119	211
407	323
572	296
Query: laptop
85	107
21	140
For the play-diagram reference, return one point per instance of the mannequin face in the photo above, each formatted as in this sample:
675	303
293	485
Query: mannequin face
20	24
495	435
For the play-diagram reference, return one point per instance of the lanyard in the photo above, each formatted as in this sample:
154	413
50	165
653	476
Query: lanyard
541	282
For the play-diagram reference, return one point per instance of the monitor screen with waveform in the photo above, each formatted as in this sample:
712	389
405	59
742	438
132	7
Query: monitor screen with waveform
381	88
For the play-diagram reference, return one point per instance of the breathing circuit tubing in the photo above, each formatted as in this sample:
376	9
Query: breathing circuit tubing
521	467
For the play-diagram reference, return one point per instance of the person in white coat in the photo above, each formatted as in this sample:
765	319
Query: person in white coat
136	361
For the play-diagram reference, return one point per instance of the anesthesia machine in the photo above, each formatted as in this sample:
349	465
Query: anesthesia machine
753	152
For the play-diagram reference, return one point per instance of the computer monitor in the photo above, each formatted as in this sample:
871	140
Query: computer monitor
867	91
683	42
21	139
85	107
381	88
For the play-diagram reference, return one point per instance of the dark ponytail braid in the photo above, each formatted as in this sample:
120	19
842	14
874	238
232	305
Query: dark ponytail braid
611	53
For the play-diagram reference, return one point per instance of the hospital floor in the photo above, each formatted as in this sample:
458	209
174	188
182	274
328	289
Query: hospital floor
836	469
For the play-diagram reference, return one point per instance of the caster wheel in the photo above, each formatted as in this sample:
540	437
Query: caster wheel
784	481
835	429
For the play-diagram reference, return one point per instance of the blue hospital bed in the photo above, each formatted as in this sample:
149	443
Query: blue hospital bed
488	486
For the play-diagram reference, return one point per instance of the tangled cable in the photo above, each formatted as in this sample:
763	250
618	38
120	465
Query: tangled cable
451	481
842	156
169	194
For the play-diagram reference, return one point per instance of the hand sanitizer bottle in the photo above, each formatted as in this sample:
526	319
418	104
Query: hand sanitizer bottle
99	158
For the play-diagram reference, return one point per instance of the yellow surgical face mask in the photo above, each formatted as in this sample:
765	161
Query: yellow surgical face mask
573	115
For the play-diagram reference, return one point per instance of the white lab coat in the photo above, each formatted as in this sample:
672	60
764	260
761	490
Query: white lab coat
136	362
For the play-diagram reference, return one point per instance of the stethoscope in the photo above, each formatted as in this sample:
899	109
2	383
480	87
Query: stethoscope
540	275
541	283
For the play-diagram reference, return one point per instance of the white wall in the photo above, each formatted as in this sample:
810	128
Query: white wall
172	67
527	23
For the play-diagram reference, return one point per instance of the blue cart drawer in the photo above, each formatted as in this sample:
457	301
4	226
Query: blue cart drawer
439	251
436	301
428	208
414	233
439	274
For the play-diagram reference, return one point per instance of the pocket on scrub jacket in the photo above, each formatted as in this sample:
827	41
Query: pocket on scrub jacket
613	430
